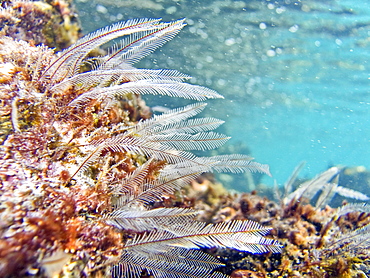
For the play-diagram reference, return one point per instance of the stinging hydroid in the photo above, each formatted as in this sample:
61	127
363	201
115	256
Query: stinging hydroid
85	169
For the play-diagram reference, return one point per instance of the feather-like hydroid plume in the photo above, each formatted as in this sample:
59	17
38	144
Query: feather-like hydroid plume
148	191
144	220
164	122
361	207
348	243
70	59
234	163
138	45
311	187
93	78
184	141
327	183
237	163
144	162
148	86
350	193
152	249
173	263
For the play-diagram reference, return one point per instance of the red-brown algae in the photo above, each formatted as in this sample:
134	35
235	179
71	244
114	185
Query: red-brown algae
39	214
299	226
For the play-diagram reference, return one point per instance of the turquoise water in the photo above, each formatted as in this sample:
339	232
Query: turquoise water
295	74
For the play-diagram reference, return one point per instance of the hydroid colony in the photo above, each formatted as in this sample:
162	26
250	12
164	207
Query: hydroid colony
82	164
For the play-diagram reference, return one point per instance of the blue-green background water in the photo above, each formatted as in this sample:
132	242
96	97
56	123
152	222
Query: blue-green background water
295	74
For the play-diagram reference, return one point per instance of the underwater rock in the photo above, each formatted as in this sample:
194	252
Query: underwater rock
318	242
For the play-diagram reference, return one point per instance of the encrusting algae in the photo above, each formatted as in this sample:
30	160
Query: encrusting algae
93	185
318	241
50	22
39	215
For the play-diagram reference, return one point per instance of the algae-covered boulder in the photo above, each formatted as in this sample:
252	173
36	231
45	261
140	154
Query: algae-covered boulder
53	23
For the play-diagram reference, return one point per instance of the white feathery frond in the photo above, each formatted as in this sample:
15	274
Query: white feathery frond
183	141
133	181
351	207
293	177
355	240
103	78
238	163
235	163
327	193
145	220
240	235
166	184
123	143
350	193
149	126
174	263
310	188
188	126
222	163
148	86
138	45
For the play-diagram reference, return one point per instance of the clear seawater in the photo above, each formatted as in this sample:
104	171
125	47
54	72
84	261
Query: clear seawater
295	74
